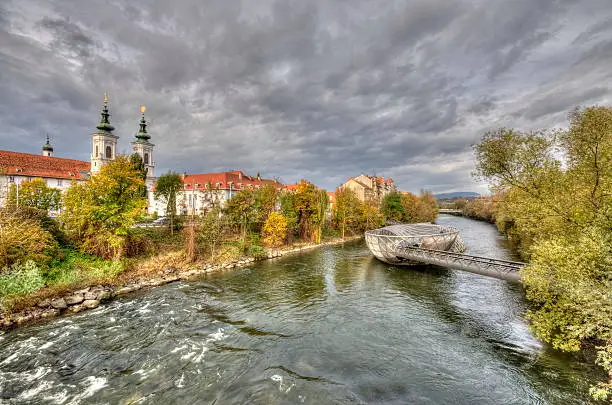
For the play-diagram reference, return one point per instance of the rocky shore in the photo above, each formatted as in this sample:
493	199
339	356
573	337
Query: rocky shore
91	297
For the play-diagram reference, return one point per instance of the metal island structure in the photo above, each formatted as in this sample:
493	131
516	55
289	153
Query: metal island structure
425	243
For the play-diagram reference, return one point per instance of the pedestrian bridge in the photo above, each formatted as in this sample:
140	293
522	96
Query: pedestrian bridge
413	244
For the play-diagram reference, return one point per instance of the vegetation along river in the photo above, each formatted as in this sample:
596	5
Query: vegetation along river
330	326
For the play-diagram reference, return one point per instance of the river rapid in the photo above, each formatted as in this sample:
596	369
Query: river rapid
330	326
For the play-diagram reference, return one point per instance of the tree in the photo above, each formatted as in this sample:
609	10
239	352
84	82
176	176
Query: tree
275	230
427	207
34	193
288	210
555	193
99	214
211	231
166	189
348	211
241	210
138	165
392	208
265	200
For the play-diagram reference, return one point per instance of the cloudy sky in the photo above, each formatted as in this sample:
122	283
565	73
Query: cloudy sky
317	89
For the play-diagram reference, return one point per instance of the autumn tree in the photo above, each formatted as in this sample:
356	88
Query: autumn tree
348	212
167	187
34	193
275	230
98	215
556	191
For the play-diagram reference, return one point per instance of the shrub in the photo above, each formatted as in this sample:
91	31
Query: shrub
23	238
19	279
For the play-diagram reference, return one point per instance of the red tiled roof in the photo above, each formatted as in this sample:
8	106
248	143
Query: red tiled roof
222	181
26	164
332	196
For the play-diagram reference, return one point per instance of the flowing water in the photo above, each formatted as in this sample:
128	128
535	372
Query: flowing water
331	326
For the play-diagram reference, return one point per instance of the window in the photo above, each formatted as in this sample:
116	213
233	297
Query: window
59	182
97	155
11	179
146	158
109	152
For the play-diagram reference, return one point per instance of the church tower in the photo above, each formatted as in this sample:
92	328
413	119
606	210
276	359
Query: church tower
47	149
104	143
144	148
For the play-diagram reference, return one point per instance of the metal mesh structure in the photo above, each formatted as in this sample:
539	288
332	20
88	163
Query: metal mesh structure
385	242
411	244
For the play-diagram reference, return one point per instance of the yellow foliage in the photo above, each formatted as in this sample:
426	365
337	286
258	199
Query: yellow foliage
275	230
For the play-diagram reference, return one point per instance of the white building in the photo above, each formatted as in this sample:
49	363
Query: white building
16	167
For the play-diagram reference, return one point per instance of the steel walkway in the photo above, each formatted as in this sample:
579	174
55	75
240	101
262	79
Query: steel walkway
486	266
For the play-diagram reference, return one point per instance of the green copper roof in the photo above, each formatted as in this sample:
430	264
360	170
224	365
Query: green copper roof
47	146
104	126
142	135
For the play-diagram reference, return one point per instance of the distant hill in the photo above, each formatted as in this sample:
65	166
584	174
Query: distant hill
448	196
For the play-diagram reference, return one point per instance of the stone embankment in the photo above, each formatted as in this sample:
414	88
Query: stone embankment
91	297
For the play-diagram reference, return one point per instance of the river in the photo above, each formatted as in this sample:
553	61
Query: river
330	326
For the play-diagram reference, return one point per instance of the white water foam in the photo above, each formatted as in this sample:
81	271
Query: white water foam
92	385
180	383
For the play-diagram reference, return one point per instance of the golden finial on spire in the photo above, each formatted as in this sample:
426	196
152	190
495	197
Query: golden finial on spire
105	98
143	109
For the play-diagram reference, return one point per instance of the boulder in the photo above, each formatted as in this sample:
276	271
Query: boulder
91	303
74	299
90	295
59	303
44	303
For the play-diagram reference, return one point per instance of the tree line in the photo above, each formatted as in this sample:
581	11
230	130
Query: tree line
95	237
553	198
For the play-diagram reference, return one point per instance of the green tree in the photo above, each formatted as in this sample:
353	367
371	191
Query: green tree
288	210
241	211
211	231
34	193
98	215
556	190
265	201
167	187
392	208
138	165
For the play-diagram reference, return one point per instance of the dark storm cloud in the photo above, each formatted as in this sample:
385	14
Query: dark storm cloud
321	90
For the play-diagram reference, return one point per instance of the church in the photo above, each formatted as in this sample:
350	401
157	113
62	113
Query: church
16	167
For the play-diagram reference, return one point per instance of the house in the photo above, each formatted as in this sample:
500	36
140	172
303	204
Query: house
59	173
203	191
369	188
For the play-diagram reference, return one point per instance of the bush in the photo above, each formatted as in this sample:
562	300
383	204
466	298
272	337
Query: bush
19	279
23	238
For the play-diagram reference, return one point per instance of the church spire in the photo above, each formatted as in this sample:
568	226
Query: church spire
47	149
104	126
142	135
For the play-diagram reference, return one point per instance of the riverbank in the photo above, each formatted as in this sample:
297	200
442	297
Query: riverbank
44	305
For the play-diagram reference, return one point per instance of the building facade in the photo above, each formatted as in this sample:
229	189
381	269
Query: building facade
370	188
60	173
201	192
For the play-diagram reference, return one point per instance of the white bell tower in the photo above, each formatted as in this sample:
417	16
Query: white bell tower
104	142
144	148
